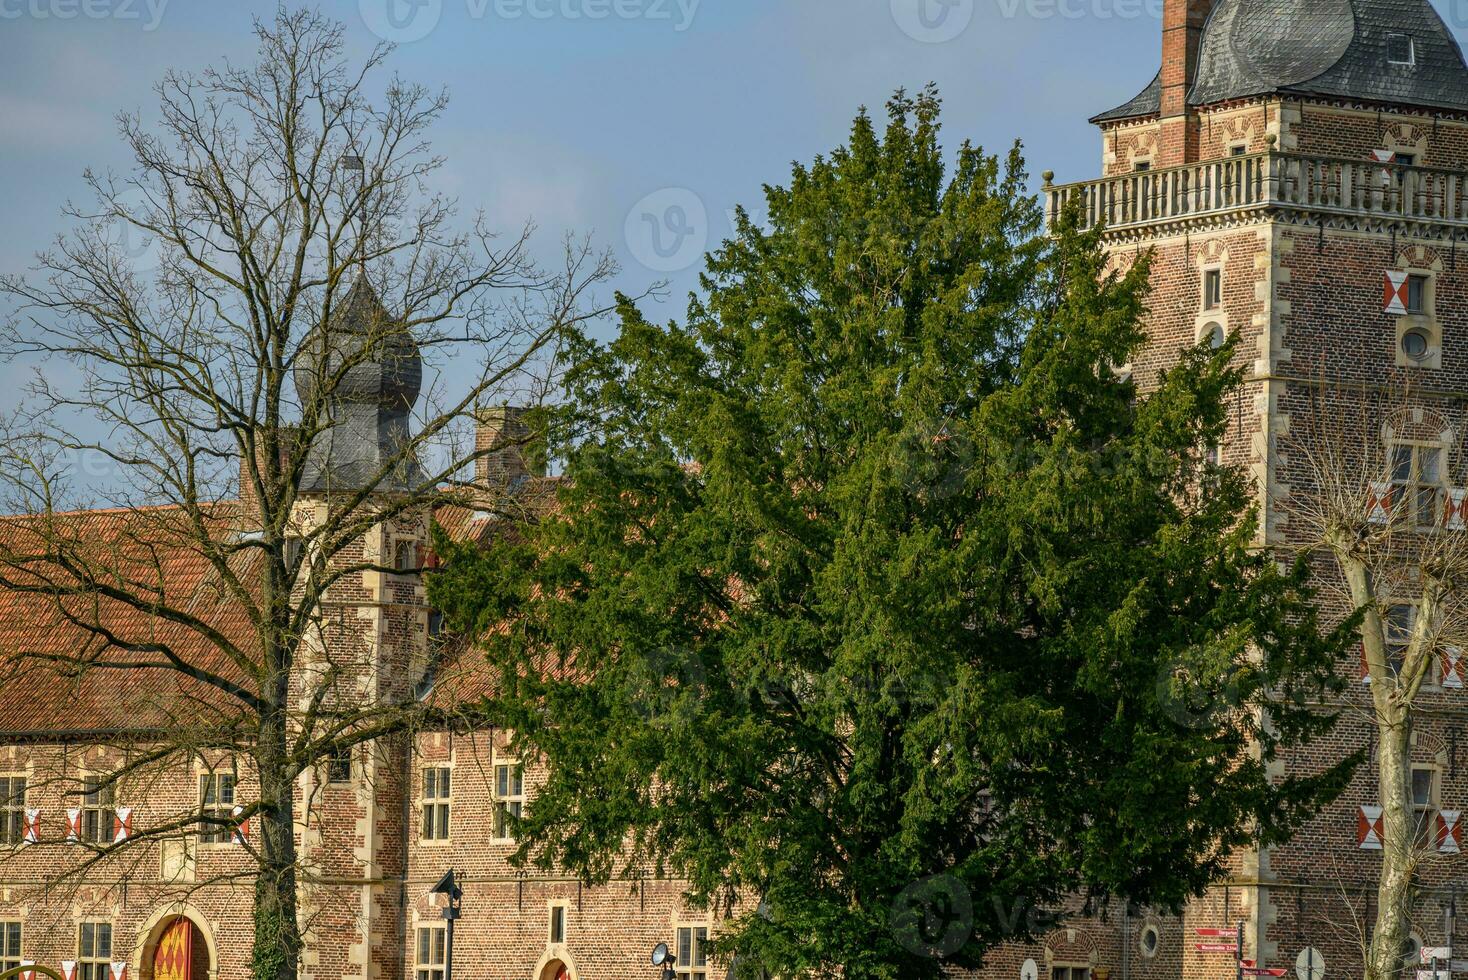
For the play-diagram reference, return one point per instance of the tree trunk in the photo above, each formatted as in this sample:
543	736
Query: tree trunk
276	954
1393	891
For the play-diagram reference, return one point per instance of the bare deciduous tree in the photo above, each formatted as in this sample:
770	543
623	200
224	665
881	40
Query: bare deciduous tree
258	409
1373	494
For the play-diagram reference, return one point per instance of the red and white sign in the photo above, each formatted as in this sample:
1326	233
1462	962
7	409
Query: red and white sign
1215	947
122	824
1430	953
1453	667
1379	503
1449	841
1394	293
1369	830
1219	933
1264	971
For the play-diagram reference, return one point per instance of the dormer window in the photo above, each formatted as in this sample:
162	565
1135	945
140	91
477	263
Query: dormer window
1401	49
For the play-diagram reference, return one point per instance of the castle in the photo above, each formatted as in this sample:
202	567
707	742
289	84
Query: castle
1299	170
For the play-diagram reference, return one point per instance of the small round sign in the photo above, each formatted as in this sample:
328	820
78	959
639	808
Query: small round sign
1030	971
1310	965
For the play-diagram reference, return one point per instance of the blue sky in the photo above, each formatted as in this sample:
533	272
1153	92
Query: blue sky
641	122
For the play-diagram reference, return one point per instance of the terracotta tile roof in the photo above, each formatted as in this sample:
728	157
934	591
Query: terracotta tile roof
51	644
67	652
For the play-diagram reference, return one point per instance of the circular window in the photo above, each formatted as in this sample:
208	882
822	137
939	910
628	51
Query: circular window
1151	939
1415	344
1214	335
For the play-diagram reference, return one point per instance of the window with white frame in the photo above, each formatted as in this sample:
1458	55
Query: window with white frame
12	809
97	809
509	798
1418	482
94	951
429	961
557	924
692	963
216	806
437	801
1212	289
1397	625
1401	49
9	945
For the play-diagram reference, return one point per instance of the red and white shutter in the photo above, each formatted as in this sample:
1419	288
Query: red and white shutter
68	969
32	827
1379	503
1369	832
242	832
119	970
1449	831
28	974
1384	156
122	824
1455	510
1394	294
73	825
1452	659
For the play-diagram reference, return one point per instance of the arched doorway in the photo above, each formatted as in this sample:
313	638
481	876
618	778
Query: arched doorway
554	969
177	949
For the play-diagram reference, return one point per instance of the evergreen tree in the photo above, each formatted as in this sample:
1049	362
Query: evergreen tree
878	597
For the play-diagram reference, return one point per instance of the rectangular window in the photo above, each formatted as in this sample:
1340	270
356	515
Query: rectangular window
339	767
97	810
557	924
9	945
1398	628
405	557
509	798
1070	973
1417	483
216	806
1401	49
429	961
436	803
1417	295
1212	289
693	961
1142	166
1238	150
1424	801
12	809
94	951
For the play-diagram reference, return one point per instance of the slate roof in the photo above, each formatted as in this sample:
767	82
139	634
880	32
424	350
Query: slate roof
1330	48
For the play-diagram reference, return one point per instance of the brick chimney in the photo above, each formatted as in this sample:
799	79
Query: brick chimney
1182	29
249	514
503	436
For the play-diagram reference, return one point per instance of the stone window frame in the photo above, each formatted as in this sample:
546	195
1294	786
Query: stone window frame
1414	485
1426	322
94	965
213	835
443	804
1205	280
692	970
106	828
1071	970
12	809
1425	814
498	828
552	907
1155	929
12	953
436	934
